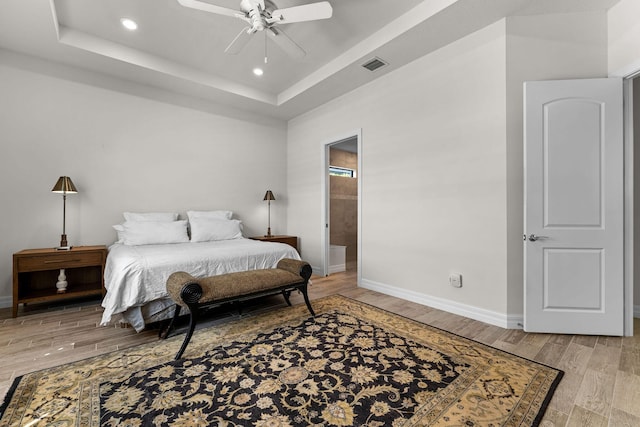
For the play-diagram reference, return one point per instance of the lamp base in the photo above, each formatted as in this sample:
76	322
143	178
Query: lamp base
62	282
64	246
268	233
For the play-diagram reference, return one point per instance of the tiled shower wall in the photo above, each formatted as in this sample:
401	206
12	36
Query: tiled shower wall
344	205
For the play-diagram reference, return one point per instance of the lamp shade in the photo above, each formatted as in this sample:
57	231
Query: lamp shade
269	195
64	185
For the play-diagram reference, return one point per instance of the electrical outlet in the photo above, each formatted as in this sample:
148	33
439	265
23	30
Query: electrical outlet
455	280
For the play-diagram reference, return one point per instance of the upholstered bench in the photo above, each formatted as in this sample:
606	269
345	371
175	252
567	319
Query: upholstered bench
188	291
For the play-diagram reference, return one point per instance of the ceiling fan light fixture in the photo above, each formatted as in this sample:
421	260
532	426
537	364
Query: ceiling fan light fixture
129	24
258	71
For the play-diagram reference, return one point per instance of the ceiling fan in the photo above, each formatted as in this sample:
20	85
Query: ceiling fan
264	15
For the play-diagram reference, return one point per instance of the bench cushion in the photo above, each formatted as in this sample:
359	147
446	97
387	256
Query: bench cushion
232	285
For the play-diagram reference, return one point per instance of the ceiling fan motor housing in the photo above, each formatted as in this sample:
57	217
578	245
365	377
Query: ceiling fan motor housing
257	12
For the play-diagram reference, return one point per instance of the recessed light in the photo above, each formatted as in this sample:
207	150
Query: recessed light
129	24
258	71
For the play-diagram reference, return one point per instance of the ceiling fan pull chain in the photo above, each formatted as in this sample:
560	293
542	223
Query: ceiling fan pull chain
265	48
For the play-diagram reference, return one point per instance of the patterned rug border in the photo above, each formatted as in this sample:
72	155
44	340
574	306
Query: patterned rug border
552	389
248	324
9	395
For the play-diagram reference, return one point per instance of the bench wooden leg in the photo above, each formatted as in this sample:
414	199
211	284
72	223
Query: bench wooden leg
303	289
190	294
193	319
286	294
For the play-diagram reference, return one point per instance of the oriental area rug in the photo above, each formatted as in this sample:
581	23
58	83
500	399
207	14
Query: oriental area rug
351	365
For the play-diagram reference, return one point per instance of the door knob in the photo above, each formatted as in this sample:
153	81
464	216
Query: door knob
533	237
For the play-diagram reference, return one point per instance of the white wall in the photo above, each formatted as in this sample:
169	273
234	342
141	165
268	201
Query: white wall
124	153
442	162
433	177
624	38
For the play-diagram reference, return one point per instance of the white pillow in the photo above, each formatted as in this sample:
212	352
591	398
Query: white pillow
210	229
120	232
150	216
209	214
153	232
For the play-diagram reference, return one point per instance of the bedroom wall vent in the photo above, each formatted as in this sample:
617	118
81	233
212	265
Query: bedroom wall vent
374	64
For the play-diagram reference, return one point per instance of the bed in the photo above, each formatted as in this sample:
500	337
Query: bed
136	276
136	271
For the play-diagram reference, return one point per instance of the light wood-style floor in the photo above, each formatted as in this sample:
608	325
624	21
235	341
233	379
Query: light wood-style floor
601	386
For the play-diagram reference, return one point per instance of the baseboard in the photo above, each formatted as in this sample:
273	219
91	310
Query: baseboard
332	269
475	313
6	302
317	270
636	311
337	268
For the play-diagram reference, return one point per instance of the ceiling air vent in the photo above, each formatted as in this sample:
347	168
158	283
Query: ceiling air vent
374	64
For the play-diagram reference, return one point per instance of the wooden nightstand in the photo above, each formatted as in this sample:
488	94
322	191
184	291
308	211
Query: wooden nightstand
35	274
289	240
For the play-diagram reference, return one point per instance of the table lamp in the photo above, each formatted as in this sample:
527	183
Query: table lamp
64	186
269	197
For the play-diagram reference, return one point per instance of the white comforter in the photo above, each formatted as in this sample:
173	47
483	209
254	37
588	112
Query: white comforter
137	275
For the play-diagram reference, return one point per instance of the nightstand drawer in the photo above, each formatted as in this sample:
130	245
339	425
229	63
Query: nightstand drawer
61	260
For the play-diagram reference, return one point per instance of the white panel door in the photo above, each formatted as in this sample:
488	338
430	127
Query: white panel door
574	207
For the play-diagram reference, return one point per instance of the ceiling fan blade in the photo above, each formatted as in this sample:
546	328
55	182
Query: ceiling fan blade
306	12
285	43
208	7
240	41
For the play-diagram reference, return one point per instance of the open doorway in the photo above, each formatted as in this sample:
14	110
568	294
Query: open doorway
343	206
342	183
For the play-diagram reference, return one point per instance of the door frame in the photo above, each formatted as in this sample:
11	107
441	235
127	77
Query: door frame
628	204
628	148
326	203
629	201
